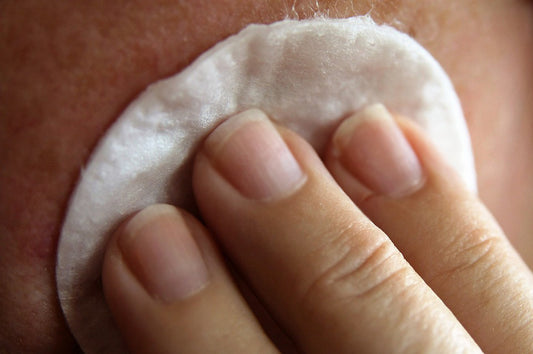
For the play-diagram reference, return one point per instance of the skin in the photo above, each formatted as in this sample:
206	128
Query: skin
335	282
67	69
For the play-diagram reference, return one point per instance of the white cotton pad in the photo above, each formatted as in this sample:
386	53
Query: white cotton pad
306	75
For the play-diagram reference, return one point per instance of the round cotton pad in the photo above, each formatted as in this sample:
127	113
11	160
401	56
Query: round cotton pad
306	75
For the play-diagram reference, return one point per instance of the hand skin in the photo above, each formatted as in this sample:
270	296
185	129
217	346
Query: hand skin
67	69
331	279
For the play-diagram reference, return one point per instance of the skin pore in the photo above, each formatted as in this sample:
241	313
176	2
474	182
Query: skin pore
68	68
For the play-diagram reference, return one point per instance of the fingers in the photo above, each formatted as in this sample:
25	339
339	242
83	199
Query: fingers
328	275
169	291
445	233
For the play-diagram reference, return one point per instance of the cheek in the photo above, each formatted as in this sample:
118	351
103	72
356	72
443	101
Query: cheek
72	70
489	60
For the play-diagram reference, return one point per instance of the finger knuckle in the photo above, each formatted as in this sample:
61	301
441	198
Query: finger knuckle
473	250
359	273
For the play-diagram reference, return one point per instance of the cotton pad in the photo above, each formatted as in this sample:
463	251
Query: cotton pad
307	75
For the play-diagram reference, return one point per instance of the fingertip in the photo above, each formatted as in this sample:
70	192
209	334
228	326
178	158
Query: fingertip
369	151
251	155
374	154
440	173
169	290
305	247
152	261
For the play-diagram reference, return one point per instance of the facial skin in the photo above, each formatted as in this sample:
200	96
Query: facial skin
68	68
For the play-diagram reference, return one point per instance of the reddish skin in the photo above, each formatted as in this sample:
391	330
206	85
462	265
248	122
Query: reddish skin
68	68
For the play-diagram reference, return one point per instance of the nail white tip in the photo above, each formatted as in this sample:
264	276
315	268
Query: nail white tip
376	111
232	124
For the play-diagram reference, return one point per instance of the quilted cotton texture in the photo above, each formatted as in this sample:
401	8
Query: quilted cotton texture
307	75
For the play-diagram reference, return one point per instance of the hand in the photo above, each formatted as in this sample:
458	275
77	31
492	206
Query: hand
323	255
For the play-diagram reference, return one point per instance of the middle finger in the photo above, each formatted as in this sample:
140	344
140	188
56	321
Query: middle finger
332	279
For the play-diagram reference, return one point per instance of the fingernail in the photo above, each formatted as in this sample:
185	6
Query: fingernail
373	149
160	251
249	152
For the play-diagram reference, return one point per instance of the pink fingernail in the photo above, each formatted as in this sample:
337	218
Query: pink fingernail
250	153
374	150
160	251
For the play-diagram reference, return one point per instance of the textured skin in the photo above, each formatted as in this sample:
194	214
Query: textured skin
68	68
316	73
